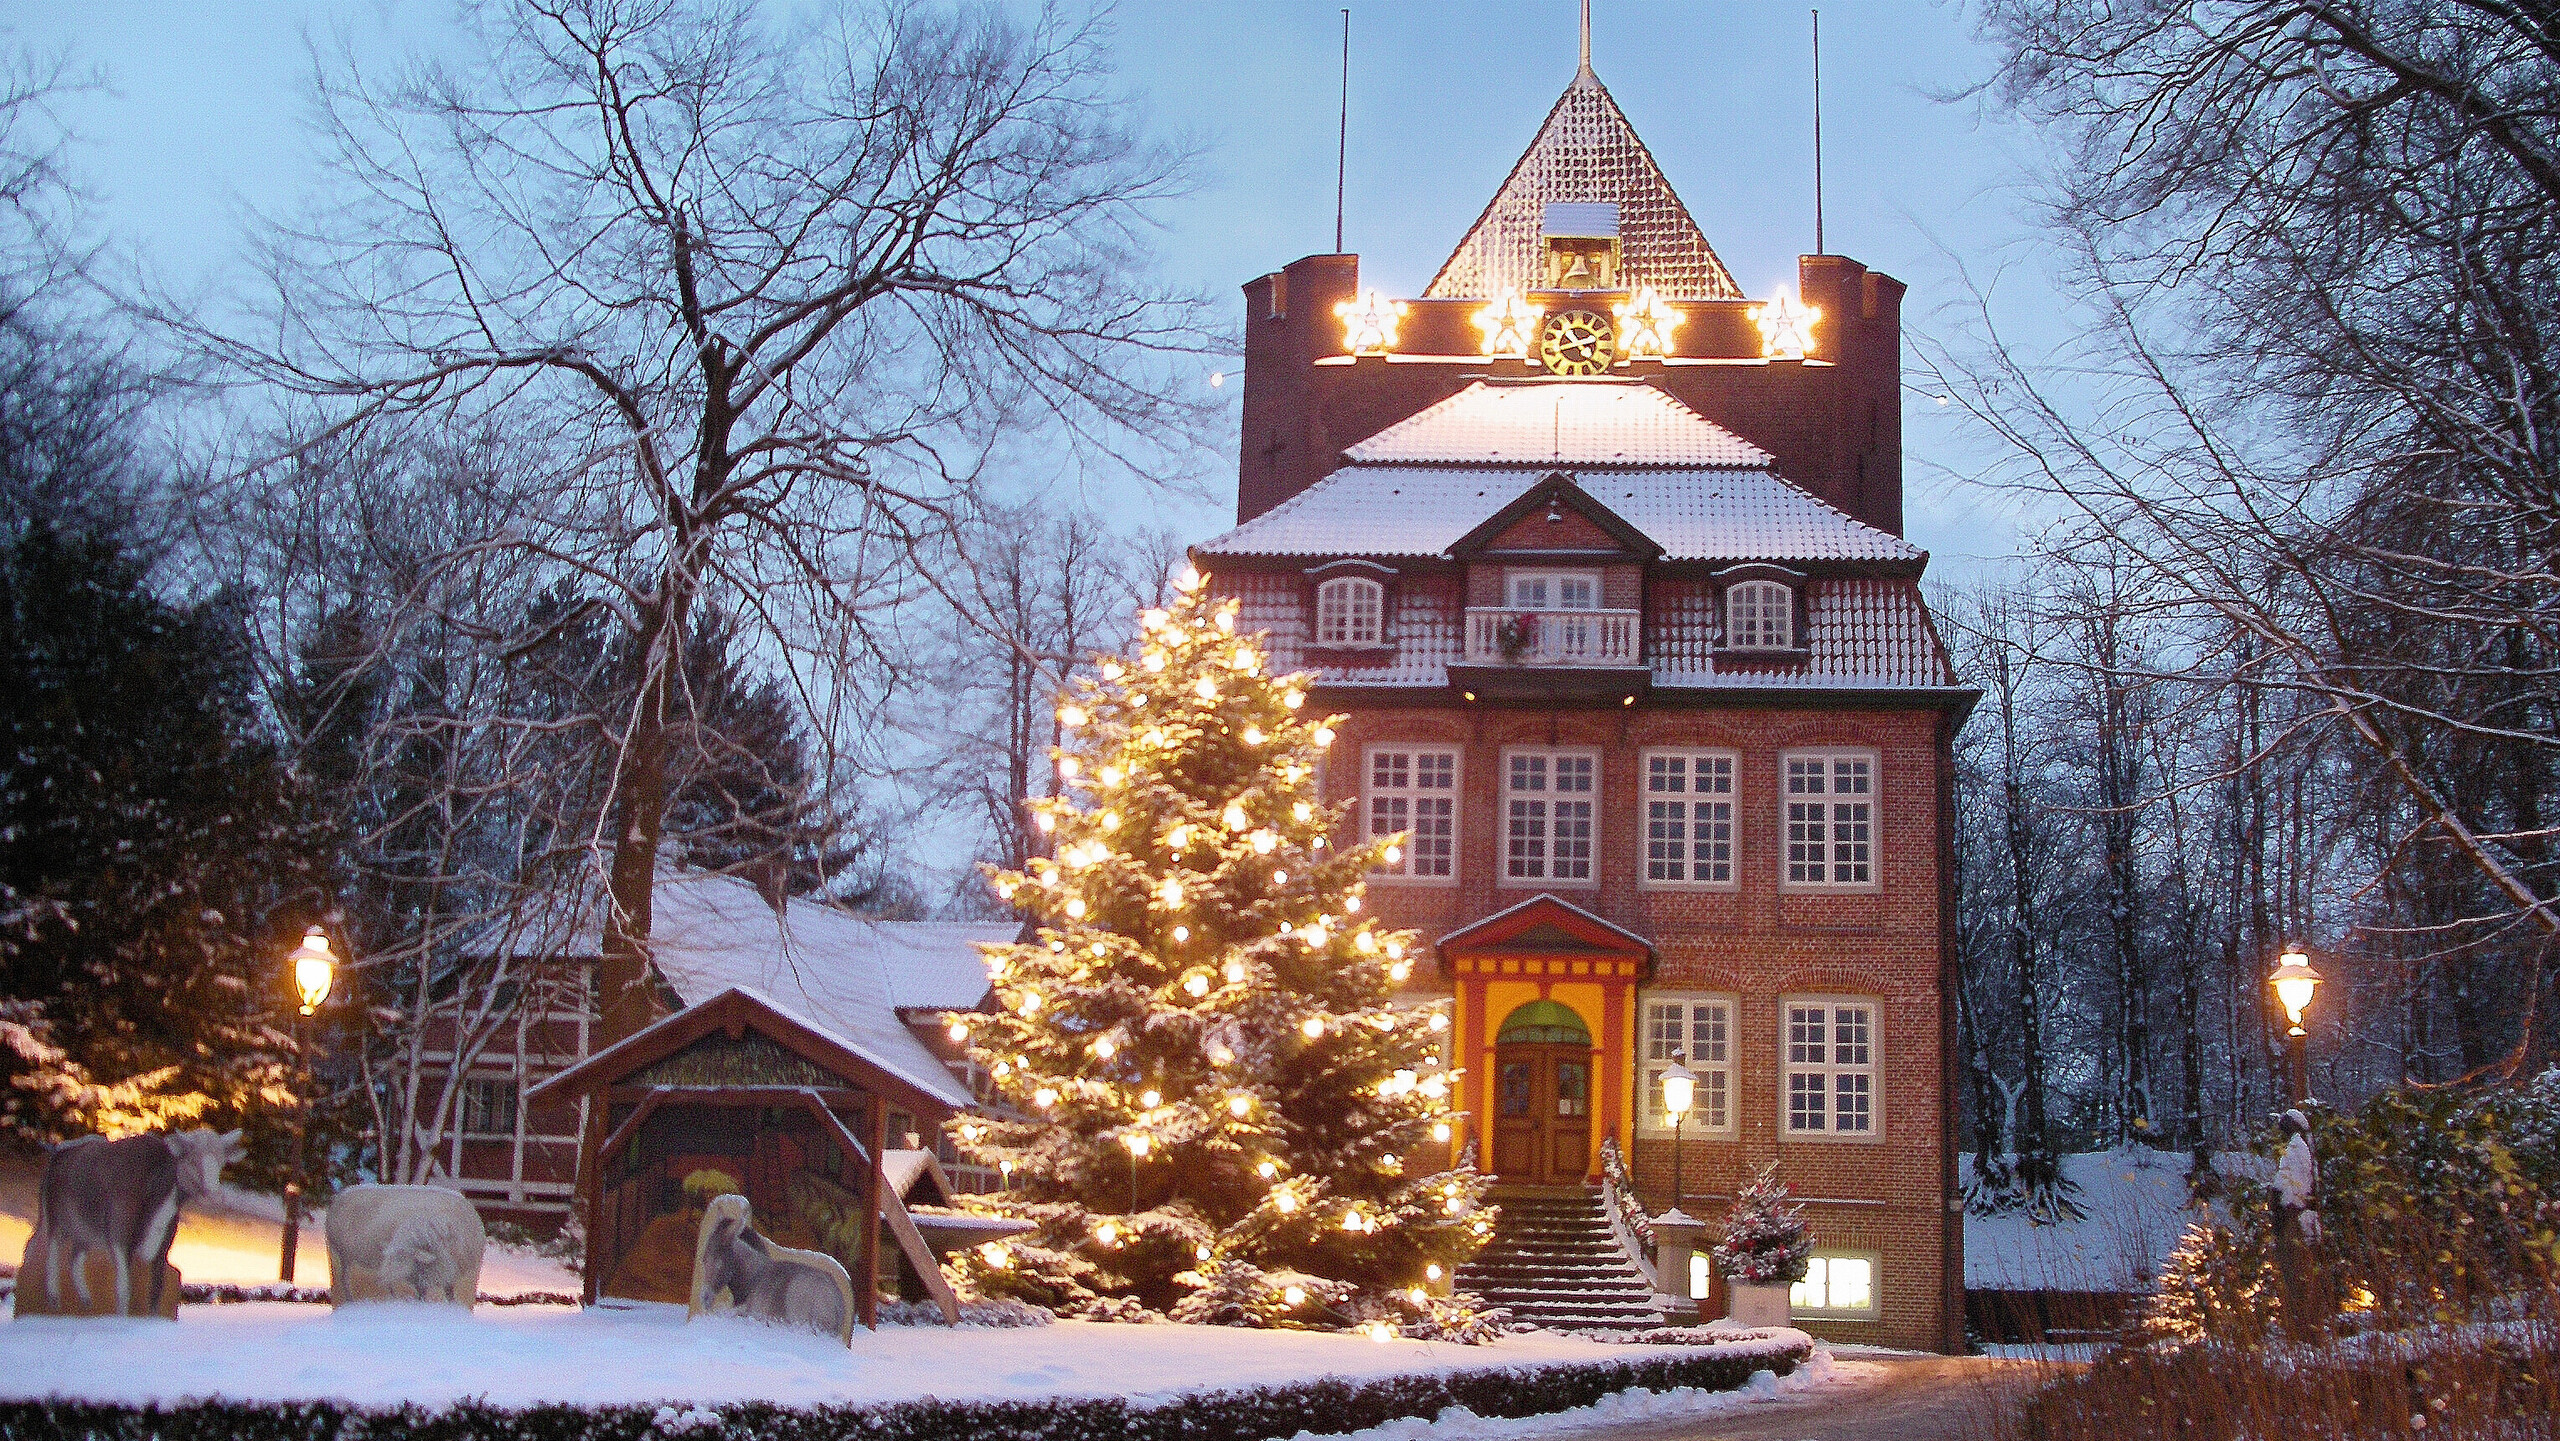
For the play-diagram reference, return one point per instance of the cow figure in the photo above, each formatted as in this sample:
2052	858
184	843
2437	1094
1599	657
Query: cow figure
401	1243
123	1197
765	1281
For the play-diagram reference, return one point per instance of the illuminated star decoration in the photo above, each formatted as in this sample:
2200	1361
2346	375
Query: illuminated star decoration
1645	325
1508	325
1786	327
1369	323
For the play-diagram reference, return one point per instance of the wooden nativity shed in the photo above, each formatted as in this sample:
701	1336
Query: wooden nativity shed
739	1092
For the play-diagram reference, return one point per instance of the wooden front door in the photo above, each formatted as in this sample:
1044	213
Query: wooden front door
1542	1112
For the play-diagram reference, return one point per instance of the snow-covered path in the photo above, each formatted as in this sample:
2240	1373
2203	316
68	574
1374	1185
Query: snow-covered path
387	1353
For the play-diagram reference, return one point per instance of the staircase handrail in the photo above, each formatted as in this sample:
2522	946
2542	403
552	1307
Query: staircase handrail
1627	1219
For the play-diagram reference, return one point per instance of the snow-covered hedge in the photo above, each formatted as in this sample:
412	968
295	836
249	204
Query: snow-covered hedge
1330	1404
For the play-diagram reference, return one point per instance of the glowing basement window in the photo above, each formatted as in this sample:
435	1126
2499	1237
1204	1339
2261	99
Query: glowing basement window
1701	1272
1350	611
1835	1286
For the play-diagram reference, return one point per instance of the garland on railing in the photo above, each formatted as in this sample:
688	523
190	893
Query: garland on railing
1622	1189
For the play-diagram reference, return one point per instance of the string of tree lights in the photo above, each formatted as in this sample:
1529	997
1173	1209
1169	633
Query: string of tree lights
1214	1104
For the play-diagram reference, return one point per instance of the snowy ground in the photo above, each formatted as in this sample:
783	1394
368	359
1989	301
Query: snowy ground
391	1352
2136	1205
235	1237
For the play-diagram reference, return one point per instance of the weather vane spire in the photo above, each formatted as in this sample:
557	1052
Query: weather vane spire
1586	34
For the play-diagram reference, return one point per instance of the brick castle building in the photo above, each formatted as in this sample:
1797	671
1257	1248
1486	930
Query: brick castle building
1602	560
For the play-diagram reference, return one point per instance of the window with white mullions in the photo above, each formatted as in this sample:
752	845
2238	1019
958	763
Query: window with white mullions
1702	1027
488	1106
1688	818
1548	816
1829	1050
1350	611
1759	615
1830	818
1413	792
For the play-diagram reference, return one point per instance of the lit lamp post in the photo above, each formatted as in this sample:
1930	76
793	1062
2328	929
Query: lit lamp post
2294	982
313	968
1679	1092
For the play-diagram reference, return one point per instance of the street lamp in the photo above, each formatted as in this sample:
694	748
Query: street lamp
1679	1090
313	968
2294	983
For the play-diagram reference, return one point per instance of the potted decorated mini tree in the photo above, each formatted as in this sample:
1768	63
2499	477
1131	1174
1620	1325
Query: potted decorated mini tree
1765	1250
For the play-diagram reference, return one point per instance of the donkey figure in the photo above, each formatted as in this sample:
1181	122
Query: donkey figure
768	1282
122	1197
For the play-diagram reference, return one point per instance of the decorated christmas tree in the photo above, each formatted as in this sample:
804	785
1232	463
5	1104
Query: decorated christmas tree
1765	1240
1225	1111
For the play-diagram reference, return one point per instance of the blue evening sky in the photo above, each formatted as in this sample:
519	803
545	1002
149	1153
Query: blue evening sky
202	118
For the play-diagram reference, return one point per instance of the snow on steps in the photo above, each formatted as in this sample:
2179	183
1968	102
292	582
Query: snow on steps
1554	1261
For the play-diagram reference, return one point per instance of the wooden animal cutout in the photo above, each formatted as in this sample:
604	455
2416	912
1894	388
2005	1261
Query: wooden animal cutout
404	1243
737	1272
119	1199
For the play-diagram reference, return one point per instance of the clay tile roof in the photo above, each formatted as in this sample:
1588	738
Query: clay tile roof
1586	153
1578	423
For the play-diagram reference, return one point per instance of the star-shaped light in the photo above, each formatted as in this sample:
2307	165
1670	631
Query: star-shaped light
1786	327
1369	323
1645	325
1509	325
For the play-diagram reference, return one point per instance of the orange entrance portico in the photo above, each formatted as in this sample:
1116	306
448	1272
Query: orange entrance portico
1545	996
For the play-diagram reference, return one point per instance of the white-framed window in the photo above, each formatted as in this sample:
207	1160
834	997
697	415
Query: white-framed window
1351	610
1837	1285
1413	791
1827	1046
1831	819
1688	818
1701	1026
488	1106
1550	825
1759	615
1553	589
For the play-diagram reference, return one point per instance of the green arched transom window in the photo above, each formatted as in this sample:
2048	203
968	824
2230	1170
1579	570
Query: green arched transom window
1550	1022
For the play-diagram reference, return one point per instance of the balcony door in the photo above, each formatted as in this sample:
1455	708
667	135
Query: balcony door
1542	1096
1563	601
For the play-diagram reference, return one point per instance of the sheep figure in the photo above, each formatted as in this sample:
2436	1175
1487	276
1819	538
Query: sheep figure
773	1283
404	1243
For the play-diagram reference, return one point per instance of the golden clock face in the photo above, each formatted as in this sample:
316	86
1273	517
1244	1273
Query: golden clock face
1577	342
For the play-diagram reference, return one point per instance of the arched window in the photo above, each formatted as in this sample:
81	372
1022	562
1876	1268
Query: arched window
1759	615
1350	611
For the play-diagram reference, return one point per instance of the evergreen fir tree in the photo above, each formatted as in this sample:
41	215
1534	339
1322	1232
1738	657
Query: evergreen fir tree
1226	1112
1766	1242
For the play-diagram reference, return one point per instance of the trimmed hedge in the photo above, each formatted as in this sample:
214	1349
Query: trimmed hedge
1330	1404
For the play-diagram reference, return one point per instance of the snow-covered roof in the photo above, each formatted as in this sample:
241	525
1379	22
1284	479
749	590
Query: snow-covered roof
1587	153
837	973
1560	423
1400	511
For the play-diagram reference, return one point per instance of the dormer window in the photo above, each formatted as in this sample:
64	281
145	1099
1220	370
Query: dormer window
1759	615
1351	610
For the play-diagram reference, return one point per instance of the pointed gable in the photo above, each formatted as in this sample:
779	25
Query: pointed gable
1586	153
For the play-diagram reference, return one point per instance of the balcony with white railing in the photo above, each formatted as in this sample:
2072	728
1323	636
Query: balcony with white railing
1499	635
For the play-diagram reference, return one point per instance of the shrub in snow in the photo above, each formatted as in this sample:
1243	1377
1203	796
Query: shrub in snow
1766	1242
1262	1414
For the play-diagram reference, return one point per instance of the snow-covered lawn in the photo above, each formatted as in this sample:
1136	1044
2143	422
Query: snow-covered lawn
387	1353
2136	1205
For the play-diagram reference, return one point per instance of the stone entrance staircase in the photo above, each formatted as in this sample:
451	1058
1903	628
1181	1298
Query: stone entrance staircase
1554	1261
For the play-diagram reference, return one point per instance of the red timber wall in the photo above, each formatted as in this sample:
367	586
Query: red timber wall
1755	942
519	1161
1834	422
